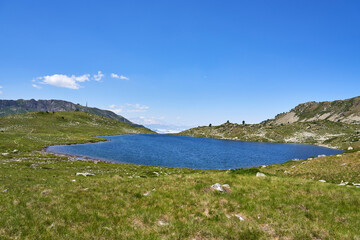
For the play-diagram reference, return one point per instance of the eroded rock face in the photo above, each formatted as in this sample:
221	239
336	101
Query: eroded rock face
346	111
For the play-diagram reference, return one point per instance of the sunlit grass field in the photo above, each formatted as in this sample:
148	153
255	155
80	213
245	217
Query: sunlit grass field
41	197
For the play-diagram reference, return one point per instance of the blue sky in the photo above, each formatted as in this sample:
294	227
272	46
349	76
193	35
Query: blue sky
181	62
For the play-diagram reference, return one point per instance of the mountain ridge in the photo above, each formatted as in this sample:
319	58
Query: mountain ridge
332	124
8	107
346	111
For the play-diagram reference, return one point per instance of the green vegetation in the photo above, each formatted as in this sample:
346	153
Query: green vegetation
42	198
34	131
9	107
327	133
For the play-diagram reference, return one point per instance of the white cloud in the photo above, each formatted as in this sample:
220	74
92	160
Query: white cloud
128	108
113	75
137	108
147	120
0	90
36	86
61	80
98	76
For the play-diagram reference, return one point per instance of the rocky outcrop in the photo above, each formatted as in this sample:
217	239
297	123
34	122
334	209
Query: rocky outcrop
346	111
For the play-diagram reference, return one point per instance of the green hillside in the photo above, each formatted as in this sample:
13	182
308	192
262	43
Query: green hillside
8	107
326	133
38	129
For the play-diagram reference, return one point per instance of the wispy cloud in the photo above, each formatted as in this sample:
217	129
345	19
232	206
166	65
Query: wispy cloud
116	109
98	76
114	75
36	86
147	120
0	90
136	108
61	80
129	108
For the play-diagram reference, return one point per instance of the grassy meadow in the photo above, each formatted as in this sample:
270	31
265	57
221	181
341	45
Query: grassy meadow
41	197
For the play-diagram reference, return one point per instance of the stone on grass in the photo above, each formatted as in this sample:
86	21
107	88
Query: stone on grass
147	194
322	180
339	155
322	155
350	148
343	183
162	223
6	190
217	187
259	174
15	151
85	174
241	218
5	154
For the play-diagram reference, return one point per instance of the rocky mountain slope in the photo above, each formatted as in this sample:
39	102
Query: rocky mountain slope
333	124
346	111
8	107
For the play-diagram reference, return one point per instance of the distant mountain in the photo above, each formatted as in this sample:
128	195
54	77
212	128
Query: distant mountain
8	107
346	111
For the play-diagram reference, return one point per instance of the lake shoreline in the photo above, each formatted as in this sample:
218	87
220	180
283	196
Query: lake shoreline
83	157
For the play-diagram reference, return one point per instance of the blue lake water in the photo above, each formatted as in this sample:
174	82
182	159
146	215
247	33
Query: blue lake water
191	152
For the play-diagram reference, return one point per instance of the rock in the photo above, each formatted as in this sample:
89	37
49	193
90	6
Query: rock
85	174
322	155
73	180
293	167
217	187
356	184
259	174
339	155
263	166
241	218
162	223
343	164
322	181
5	154
147	194
156	173
15	151
343	183
226	188
310	159
350	148
286	171
6	190
45	192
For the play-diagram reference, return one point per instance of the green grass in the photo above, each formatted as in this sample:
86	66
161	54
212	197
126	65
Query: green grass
46	200
34	131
